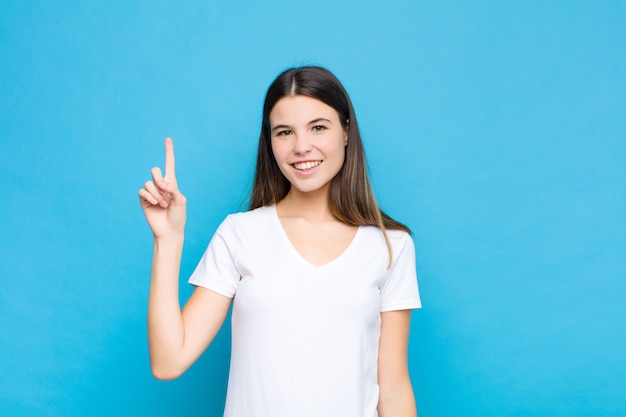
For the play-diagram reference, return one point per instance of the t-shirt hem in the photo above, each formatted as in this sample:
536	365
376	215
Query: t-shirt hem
220	290
408	305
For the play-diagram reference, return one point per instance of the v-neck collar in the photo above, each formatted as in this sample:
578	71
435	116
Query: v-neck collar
287	242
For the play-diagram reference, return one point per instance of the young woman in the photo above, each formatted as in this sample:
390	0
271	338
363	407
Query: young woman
323	281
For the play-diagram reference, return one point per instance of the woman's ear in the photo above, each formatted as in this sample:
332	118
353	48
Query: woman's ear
345	132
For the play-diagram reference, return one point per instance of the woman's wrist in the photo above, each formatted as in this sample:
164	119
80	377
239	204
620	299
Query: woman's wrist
169	240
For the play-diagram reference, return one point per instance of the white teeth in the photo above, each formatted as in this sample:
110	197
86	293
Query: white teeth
306	165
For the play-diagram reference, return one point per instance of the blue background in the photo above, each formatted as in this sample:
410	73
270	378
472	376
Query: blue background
495	130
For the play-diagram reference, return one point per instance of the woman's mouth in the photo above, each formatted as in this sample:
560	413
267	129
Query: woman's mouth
305	166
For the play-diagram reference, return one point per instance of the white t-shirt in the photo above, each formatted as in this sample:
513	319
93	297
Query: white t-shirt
304	338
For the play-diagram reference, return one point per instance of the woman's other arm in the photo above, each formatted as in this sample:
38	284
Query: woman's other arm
396	393
175	338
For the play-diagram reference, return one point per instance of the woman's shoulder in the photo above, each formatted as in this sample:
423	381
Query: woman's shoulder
249	220
246	226
261	213
397	238
395	234
398	234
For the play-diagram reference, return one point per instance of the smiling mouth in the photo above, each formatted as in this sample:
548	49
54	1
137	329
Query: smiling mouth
304	166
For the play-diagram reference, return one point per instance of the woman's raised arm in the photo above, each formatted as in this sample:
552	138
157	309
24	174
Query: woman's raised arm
175	338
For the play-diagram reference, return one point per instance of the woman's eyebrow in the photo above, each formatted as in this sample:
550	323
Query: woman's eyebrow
280	127
319	119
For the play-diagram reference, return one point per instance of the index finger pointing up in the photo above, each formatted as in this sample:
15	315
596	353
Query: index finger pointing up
170	164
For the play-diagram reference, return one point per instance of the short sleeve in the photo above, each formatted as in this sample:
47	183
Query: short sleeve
400	290
217	269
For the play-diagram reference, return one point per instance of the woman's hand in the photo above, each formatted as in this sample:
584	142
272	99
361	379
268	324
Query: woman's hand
162	202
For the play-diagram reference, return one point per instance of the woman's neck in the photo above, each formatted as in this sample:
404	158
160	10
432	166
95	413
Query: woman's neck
312	206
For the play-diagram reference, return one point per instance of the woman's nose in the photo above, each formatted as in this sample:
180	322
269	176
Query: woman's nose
302	145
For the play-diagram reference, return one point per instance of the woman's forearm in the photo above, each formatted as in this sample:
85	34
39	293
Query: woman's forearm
397	402
165	322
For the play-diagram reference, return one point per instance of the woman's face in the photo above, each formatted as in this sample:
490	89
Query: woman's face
308	142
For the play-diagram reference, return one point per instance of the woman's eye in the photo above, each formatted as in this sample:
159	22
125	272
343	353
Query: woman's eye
319	128
283	133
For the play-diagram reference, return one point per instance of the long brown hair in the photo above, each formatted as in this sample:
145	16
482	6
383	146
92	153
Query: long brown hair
350	196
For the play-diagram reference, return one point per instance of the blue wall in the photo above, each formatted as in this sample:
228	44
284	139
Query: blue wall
496	130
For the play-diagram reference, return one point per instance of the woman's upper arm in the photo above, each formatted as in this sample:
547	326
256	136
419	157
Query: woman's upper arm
396	392
393	350
203	316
